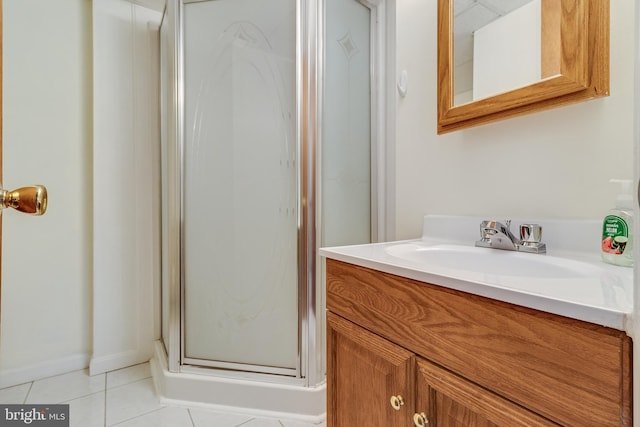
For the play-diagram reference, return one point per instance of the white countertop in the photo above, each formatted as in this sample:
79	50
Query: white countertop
598	293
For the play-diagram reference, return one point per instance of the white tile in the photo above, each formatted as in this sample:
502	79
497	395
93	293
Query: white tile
65	387
131	400
128	375
263	422
287	423
15	394
87	411
205	418
165	417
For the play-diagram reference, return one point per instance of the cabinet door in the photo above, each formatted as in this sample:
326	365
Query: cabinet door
444	399
370	381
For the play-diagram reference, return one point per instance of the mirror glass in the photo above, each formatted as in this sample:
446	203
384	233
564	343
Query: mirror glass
497	47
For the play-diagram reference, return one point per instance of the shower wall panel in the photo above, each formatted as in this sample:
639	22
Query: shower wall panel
346	124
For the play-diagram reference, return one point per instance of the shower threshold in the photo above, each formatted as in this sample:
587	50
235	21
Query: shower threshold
256	394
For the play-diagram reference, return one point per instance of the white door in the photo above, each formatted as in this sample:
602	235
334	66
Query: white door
46	138
30	200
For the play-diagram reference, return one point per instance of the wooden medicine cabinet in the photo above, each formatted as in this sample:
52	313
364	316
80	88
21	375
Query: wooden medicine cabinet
570	60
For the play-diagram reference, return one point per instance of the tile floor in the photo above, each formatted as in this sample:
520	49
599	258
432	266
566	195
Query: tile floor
125	398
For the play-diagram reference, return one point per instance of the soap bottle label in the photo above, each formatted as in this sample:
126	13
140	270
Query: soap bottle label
615	235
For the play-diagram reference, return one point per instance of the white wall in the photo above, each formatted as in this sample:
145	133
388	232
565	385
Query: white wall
125	183
553	164
47	261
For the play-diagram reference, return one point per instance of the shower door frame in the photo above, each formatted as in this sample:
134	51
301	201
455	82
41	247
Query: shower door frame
305	63
309	25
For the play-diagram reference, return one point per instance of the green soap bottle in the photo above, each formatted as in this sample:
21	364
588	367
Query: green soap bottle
617	234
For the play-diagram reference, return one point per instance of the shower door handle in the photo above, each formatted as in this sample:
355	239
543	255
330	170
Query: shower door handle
31	200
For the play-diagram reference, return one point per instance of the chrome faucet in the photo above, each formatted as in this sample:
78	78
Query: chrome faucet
496	235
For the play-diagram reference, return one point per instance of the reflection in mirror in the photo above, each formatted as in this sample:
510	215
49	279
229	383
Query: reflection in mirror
482	45
485	72
498	46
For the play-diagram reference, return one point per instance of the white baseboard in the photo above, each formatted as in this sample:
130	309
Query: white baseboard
111	362
258	398
42	370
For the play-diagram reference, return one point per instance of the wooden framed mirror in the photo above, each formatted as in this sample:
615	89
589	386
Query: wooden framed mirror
573	63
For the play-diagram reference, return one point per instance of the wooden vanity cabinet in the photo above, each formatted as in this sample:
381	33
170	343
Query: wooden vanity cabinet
445	399
403	352
371	383
368	376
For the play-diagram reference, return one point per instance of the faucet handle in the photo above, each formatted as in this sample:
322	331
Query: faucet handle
531	239
530	234
484	236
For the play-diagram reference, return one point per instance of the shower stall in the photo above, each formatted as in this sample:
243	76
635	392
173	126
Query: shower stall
270	150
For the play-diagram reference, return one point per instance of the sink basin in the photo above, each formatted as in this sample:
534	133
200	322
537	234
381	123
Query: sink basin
491	261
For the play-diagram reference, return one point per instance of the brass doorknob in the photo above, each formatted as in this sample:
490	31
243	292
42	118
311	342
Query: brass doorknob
30	200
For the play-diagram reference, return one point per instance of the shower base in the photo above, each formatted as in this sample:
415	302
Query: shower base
239	394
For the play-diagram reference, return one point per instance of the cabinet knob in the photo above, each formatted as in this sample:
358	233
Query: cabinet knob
396	402
420	420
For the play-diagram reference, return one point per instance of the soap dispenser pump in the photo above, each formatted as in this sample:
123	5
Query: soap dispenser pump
617	234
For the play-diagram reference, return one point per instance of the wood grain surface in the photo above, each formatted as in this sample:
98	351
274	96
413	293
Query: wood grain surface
569	371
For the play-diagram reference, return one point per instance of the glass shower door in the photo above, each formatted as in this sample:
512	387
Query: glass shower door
239	219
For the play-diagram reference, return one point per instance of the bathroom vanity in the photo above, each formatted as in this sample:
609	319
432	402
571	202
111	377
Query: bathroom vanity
415	341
